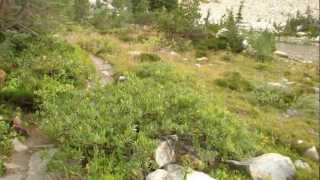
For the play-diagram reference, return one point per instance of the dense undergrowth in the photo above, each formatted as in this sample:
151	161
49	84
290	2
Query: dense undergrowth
113	130
223	107
31	65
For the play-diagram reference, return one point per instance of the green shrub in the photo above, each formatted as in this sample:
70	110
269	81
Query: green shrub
112	131
307	22
263	44
181	22
235	82
146	57
2	168
281	98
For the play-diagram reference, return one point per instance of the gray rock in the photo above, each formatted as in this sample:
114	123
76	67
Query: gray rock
159	174
312	153
19	146
302	165
175	171
165	153
272	165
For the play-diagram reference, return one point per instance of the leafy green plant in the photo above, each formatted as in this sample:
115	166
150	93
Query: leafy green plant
281	98
127	117
147	57
263	45
235	82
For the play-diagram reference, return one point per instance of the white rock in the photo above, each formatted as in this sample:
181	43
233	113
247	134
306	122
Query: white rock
202	59
159	174
221	32
198	65
165	153
302	165
300	141
122	78
19	146
281	54
300	34
177	172
275	84
299	28
273	166
312	153
196	175
245	43
173	53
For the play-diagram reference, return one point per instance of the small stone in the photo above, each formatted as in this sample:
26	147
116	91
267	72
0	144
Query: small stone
122	78
198	65
302	165
165	153
196	175
292	112
245	43
276	84
221	32
19	146
202	59
173	53
300	141
301	34
159	174
312	153
281	54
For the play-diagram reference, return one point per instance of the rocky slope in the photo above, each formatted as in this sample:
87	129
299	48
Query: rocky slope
260	14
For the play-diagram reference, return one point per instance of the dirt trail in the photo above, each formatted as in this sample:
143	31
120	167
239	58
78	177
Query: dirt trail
103	68
299	51
29	160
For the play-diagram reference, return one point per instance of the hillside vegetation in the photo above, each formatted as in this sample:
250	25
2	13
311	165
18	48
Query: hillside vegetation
216	87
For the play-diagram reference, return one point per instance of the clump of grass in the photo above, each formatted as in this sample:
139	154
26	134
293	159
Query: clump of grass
278	97
234	81
147	57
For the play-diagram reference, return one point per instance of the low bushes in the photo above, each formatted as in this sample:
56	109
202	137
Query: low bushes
112	131
263	45
234	81
278	97
146	57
